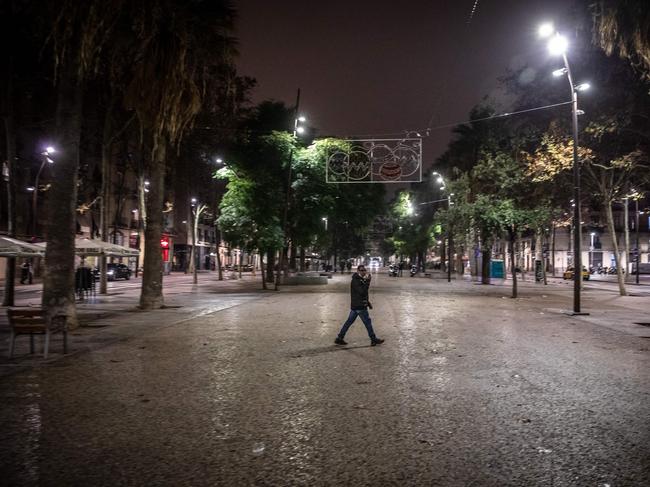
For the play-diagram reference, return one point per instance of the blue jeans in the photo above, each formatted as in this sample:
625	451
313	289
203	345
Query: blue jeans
365	317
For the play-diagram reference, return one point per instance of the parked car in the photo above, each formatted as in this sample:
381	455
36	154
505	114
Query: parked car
568	273
117	271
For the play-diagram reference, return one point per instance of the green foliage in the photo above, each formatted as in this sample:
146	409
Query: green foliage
253	209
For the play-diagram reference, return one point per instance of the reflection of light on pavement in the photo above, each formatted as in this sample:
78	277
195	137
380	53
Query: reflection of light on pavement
32	433
301	424
407	331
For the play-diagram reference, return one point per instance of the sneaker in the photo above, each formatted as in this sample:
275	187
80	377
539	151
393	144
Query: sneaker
376	341
340	341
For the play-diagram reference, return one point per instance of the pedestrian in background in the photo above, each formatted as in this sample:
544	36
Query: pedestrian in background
359	305
24	272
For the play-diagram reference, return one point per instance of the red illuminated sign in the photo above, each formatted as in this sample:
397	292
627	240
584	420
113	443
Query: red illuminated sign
164	242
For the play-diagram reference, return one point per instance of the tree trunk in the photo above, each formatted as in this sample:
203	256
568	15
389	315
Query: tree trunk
58	283
105	192
485	265
520	257
626	257
218	235
513	264
262	270
539	253
617	256
270	263
10	137
151	296
553	251
545	260
292	261
195	233
302	259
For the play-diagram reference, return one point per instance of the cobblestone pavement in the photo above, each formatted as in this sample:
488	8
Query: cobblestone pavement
247	388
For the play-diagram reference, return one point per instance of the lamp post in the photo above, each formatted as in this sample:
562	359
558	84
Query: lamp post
284	253
558	45
46	160
325	220
441	180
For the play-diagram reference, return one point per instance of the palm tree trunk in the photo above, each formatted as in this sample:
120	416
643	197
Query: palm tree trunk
58	283
151	296
617	256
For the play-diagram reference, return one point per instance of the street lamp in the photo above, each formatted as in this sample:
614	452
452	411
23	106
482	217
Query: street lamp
34	189
325	220
284	254
441	181
558	46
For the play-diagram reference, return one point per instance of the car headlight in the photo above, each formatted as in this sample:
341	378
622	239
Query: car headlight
110	273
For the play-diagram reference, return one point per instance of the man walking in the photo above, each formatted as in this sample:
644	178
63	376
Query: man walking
359	307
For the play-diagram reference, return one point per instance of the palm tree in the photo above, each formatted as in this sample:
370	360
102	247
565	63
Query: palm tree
80	32
178	47
623	26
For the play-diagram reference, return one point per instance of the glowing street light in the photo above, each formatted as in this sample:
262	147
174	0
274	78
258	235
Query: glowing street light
558	46
546	30
297	128
34	189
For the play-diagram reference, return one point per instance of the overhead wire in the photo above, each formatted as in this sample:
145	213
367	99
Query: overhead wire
418	132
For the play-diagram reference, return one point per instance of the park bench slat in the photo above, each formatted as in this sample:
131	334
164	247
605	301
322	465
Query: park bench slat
34	321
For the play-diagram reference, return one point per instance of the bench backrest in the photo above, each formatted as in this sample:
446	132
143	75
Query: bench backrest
26	316
33	318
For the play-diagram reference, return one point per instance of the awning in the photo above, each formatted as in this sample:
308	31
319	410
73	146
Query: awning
90	247
11	247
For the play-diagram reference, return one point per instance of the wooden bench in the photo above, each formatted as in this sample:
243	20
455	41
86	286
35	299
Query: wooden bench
33	321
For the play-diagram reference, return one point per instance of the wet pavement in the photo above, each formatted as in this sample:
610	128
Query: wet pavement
239	387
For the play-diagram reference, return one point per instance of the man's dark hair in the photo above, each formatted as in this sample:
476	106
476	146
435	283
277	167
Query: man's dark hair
361	267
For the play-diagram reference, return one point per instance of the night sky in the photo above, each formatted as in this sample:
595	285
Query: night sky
384	67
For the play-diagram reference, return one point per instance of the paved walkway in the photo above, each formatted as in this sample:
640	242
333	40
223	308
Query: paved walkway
247	388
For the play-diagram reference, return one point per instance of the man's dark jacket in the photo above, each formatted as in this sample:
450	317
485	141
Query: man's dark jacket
359	292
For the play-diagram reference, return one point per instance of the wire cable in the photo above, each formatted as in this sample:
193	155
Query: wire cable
427	130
